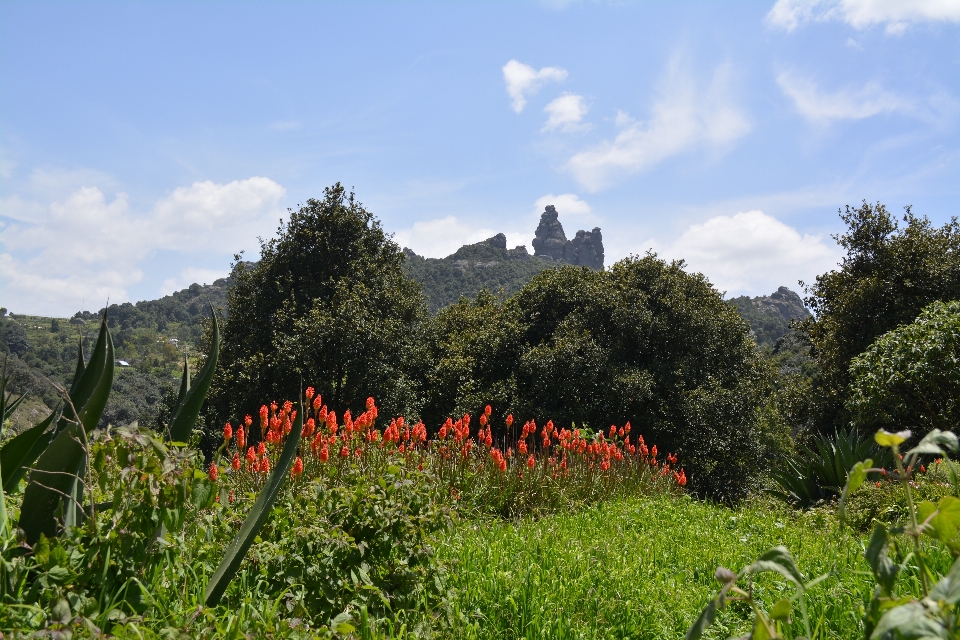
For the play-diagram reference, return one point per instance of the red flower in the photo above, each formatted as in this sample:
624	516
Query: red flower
531	462
235	463
247	421
487	410
297	467
324	454
251	456
345	452
227	432
309	427
241	437
309	393
332	420
264	416
509	420
261	449
483	419
370	403
213	472
264	464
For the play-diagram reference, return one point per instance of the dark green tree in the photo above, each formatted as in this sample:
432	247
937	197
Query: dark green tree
889	274
327	304
644	341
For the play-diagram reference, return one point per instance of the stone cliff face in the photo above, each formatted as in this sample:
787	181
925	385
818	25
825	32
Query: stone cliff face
585	249
783	301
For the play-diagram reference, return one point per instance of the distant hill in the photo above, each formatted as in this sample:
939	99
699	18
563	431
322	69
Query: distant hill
484	265
770	316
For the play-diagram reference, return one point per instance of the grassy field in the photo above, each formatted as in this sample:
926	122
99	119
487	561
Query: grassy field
643	568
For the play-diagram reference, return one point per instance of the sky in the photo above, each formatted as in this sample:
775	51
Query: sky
144	144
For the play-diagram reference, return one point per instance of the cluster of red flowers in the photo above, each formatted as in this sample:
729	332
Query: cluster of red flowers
349	438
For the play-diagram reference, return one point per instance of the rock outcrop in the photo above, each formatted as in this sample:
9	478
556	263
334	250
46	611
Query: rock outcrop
585	249
550	241
783	301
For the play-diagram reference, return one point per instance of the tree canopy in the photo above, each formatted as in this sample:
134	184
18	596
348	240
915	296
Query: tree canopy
327	304
644	341
889	274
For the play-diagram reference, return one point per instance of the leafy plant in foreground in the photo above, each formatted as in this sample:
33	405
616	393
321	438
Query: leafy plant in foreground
891	614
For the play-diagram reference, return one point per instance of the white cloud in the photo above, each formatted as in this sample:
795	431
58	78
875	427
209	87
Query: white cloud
752	253
897	15
845	104
565	114
190	275
684	116
440	237
87	246
570	208
523	80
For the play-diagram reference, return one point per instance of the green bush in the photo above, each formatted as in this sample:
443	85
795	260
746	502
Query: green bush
910	377
819	471
643	342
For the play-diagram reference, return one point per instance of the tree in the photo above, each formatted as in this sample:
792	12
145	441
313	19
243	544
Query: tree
327	304
644	341
888	275
909	378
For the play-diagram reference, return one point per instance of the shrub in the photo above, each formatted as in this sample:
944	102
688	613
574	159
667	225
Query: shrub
910	376
643	342
819	472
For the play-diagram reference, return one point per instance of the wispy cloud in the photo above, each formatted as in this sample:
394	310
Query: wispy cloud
523	80
188	276
566	114
684	116
844	104
86	244
896	15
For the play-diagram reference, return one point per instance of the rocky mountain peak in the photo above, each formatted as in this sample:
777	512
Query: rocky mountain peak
585	249
784	302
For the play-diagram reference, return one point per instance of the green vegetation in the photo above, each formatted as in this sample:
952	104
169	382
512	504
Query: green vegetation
910	377
472	269
529	474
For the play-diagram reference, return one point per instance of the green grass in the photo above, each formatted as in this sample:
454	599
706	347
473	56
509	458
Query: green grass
643	568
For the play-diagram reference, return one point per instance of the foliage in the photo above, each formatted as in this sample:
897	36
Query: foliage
767	327
910	376
643	342
820	471
472	269
327	301
640	568
889	274
895	610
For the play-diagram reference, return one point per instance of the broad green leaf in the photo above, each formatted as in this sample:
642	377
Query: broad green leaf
779	560
54	475
21	451
704	620
886	439
945	525
203	492
761	628
255	519
186	412
884	569
855	479
909	621
934	442
947	589
781	610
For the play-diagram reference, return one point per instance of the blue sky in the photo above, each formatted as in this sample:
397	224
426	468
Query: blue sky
143	144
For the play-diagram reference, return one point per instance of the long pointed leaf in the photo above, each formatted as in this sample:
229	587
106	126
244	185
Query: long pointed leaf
93	407
81	366
83	388
186	412
255	519
54	476
20	452
8	409
184	381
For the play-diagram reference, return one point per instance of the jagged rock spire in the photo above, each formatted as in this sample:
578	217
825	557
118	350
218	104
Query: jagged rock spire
551	242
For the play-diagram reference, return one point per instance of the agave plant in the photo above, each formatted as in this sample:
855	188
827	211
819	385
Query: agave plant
820	471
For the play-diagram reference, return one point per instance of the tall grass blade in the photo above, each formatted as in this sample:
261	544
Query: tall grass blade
255	519
188	408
